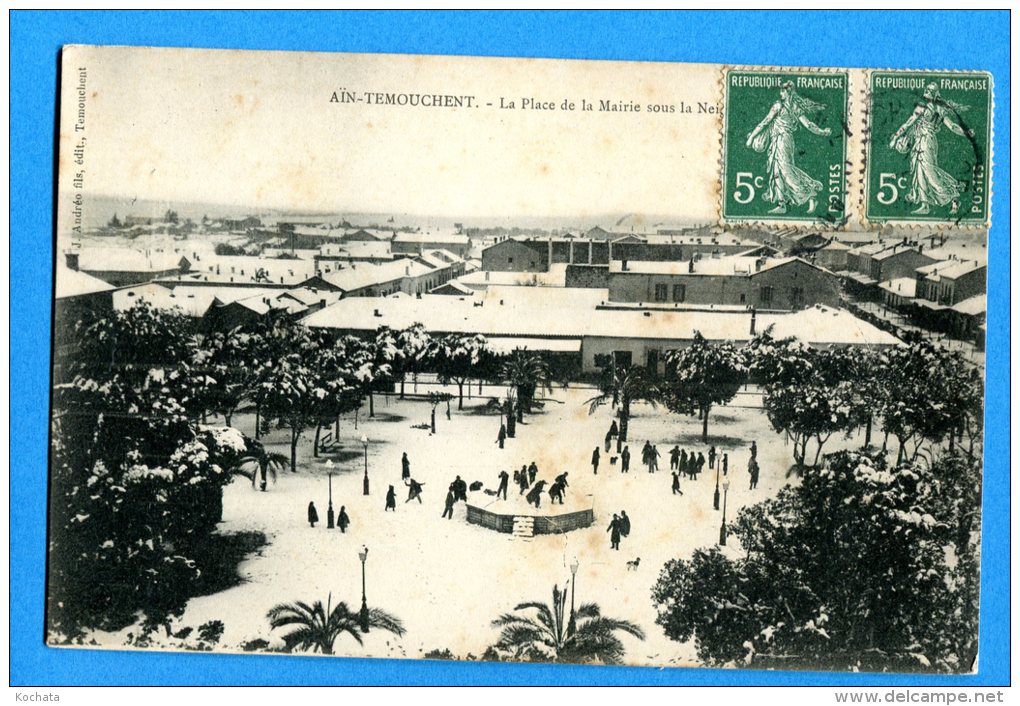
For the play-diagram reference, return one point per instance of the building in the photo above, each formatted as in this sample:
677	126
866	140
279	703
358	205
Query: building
413	276
413	243
869	264
951	281
766	283
579	323
516	255
126	266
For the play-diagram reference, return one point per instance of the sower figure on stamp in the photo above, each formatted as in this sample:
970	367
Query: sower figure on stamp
918	136
788	185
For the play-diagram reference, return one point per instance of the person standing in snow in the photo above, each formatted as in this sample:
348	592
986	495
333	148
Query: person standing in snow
313	515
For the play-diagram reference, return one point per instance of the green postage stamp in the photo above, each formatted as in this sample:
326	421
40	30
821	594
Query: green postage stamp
785	146
928	153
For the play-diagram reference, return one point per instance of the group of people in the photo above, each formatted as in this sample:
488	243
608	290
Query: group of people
414	488
619	527
456	492
343	520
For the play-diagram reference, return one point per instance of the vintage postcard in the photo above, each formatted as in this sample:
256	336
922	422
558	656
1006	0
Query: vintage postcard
519	360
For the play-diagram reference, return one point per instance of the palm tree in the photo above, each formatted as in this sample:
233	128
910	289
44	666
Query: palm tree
317	628
620	385
544	636
259	464
526	372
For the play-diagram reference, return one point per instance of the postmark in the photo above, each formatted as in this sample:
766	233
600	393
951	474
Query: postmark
785	146
928	156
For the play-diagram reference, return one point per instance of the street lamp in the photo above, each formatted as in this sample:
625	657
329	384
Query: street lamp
715	498
572	624
329	510
363	555
722	528
364	442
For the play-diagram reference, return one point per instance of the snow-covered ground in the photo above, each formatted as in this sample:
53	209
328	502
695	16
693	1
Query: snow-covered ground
446	579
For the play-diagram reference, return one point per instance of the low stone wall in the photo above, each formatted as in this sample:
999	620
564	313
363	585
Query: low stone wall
544	524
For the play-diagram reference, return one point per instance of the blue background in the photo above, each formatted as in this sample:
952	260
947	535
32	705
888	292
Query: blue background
864	39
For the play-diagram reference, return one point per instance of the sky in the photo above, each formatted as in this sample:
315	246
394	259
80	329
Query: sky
257	129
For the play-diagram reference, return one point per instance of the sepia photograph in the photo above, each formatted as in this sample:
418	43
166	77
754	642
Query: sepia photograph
476	359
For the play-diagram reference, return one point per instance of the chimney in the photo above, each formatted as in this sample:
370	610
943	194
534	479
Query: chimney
71	260
754	316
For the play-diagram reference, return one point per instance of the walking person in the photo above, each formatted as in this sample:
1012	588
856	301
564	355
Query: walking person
725	464
711	458
391	499
405	468
752	469
504	481
595	461
414	491
653	459
754	450
625	460
522	480
646	452
609	441
674	458
701	465
313	515
342	520
685	469
676	483
614	530
532	472
450	500
501	437
624	524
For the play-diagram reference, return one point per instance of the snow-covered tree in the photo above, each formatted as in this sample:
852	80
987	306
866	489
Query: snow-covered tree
701	376
414	346
860	567
526	372
619	387
456	358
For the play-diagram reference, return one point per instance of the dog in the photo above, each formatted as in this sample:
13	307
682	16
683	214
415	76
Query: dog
477	485
612	460
633	564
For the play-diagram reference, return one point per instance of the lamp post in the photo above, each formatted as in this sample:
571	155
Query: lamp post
329	510
572	623
722	528
363	555
715	498
364	442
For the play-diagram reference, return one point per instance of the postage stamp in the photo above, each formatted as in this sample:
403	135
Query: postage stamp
928	155
785	146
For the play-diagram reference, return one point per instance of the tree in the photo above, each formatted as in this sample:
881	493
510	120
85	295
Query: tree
316	628
537	631
455	358
526	372
435	399
702	376
414	346
258	465
862	566
929	393
619	386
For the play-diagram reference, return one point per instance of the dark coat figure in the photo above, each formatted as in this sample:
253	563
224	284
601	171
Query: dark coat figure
343	521
646	453
653	460
414	491
501	437
562	480
752	468
534	496
405	468
725	464
614	430
556	492
701	465
504	481
313	515
676	483
684	468
614	529
625	460
711	457
522	480
674	458
754	450
532	472
460	489
391	499
595	460
624	523
609	441
450	500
